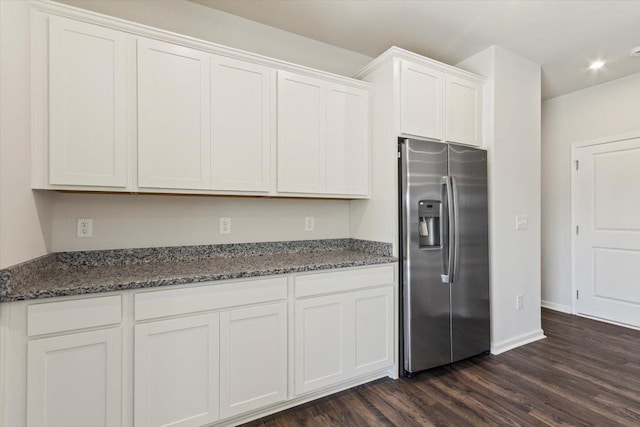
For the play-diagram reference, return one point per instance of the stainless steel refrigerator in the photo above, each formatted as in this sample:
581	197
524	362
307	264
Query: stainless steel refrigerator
444	253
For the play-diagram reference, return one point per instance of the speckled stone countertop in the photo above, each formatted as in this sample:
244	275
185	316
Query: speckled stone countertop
75	273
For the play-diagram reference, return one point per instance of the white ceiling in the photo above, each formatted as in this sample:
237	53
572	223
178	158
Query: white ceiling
563	36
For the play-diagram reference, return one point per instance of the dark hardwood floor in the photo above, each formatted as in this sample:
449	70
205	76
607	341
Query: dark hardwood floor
584	373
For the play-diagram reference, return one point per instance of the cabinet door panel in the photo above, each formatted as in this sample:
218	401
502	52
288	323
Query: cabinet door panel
322	346
174	148
347	140
87	104
241	114
301	134
373	329
253	358
464	111
176	372
422	101
75	380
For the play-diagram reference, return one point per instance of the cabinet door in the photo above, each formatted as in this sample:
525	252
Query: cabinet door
347	140
301	134
464	111
253	358
176	372
174	148
421	101
87	104
322	346
373	315
241	116
75	380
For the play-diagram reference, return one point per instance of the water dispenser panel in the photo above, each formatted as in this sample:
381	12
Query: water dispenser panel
429	223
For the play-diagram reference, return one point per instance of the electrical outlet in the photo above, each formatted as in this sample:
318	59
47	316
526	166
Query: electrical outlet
522	222
309	223
225	226
84	227
519	302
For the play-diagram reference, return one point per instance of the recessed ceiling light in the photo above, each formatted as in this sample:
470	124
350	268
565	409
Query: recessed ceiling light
595	65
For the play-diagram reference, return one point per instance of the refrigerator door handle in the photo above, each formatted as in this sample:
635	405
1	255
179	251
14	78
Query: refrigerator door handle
449	242
453	261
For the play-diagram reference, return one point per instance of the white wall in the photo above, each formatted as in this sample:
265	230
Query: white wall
32	223
129	221
606	110
24	216
513	142
205	23
377	218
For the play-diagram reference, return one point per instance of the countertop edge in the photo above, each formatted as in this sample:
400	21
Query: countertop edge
178	281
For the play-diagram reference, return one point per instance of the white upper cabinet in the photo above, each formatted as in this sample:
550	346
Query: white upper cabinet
302	134
464	111
440	106
323	137
174	147
347	140
124	108
241	124
87	104
421	101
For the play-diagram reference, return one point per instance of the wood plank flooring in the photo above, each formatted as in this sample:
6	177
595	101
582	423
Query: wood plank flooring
584	373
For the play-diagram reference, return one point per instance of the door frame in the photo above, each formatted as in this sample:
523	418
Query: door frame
574	147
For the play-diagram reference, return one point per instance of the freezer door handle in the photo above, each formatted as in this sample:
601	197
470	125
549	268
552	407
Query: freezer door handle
453	220
448	242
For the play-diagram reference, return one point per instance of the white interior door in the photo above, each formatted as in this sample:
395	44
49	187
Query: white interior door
607	213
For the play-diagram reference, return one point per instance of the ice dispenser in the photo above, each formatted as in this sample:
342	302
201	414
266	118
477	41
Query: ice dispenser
429	223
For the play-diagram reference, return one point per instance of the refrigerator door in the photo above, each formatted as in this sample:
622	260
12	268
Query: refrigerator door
470	329
426	339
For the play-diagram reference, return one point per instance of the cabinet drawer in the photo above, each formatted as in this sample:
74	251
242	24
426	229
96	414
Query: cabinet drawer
52	317
211	296
341	281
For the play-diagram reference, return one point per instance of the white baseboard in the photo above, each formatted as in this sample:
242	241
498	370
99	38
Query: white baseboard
511	343
557	307
611	322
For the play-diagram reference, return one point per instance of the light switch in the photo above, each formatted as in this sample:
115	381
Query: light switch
522	222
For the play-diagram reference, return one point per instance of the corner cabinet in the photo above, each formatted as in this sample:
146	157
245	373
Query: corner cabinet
125	108
323	137
439	105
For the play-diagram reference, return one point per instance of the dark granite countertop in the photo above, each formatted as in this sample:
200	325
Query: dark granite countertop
75	273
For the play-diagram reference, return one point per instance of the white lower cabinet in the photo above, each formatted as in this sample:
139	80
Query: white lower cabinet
373	340
75	380
214	353
253	358
342	336
177	372
321	342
